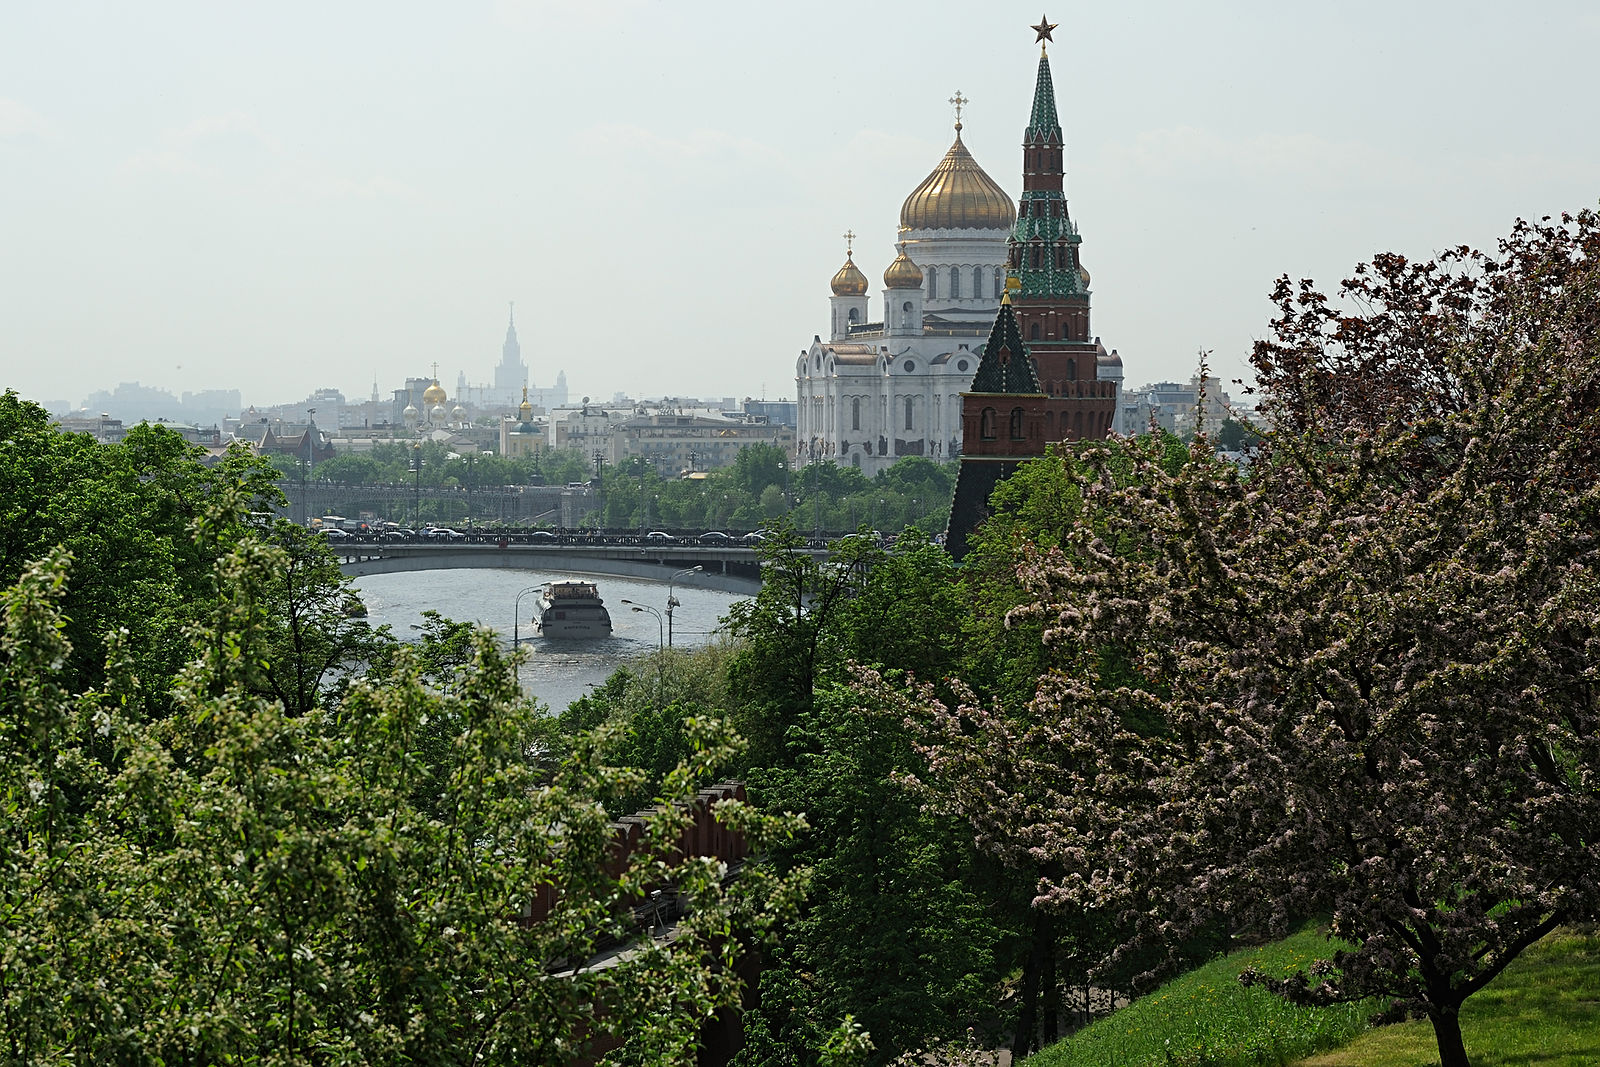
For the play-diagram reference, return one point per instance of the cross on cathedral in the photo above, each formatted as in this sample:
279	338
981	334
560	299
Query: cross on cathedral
959	101
849	242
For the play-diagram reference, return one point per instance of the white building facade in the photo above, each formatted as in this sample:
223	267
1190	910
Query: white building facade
875	392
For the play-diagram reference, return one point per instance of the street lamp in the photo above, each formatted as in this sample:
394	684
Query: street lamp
516	614
661	653
416	489
672	601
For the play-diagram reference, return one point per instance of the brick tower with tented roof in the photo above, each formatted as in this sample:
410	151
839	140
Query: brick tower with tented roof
1009	416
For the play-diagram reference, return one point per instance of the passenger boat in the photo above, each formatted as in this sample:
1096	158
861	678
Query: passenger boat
572	609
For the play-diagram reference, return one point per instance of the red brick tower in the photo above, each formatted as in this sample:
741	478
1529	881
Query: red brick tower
1038	381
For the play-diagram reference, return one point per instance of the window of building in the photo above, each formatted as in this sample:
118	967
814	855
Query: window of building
1033	332
987	428
1016	424
855	413
1072	370
955	283
933	283
909	412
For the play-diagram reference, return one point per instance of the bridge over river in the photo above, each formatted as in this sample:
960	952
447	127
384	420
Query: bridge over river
731	569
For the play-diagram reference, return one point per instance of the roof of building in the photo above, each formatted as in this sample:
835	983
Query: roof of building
958	195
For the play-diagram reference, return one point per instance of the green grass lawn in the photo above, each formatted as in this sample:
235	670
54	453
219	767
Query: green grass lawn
1544	1010
1207	1019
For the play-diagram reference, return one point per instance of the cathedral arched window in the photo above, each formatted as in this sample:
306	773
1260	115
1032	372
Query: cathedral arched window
1016	256
1061	257
955	283
1038	255
977	282
1033	332
855	413
999	281
855	315
1072	370
933	283
1016	424
1077	425
909	412
987	428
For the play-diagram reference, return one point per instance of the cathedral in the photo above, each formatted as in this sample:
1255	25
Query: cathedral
874	392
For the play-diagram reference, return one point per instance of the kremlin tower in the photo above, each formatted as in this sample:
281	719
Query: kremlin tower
1039	380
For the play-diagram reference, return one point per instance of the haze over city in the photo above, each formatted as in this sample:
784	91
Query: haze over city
300	196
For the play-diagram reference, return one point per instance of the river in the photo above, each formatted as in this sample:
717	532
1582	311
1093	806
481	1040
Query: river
557	672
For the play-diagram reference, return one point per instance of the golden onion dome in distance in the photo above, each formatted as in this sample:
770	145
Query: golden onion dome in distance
902	273
1083	275
958	195
849	281
433	394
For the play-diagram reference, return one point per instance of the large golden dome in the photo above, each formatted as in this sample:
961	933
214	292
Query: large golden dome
849	281
958	195
433	394
902	273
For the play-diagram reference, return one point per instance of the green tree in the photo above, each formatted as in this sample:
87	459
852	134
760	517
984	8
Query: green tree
231	882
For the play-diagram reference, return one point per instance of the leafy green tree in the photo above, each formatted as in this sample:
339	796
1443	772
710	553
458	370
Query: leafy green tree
231	882
126	513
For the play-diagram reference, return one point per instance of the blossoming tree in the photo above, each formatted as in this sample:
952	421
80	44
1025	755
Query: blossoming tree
1359	680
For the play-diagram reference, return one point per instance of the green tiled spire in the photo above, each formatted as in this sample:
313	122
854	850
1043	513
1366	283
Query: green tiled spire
1044	232
1042	124
1005	366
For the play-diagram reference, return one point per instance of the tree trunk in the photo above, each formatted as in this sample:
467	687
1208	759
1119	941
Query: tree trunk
1039	964
1049	1014
1447	1031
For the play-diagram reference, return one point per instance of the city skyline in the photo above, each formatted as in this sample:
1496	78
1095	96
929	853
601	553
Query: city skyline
300	198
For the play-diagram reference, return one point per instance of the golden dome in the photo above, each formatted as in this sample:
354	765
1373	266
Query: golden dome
958	195
849	281
433	394
525	409
902	273
1083	275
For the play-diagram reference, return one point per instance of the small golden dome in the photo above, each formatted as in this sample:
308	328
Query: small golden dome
958	195
849	281
1083	275
525	409
902	273
433	395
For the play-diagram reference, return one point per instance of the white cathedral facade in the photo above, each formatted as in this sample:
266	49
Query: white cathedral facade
874	392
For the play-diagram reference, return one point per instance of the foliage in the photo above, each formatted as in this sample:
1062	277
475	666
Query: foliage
124	512
1364	679
899	930
1207	1019
232	883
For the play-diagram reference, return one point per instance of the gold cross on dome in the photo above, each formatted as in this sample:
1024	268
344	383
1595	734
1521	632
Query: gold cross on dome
849	239
959	101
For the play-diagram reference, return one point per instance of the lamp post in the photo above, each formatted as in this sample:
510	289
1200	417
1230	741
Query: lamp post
661	653
516	614
672	601
416	486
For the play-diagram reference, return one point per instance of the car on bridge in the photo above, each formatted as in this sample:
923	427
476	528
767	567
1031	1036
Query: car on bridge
442	533
660	537
715	537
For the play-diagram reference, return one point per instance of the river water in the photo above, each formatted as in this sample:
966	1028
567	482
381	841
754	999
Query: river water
557	672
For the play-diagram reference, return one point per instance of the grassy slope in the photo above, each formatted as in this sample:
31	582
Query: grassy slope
1545	1009
1207	1018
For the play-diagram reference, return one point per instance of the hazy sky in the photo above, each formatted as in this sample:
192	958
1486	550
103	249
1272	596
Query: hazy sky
289	196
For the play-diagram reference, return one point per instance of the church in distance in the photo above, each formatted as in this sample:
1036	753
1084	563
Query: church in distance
984	350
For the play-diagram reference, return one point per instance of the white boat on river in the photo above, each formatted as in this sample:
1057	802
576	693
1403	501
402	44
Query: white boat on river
572	609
